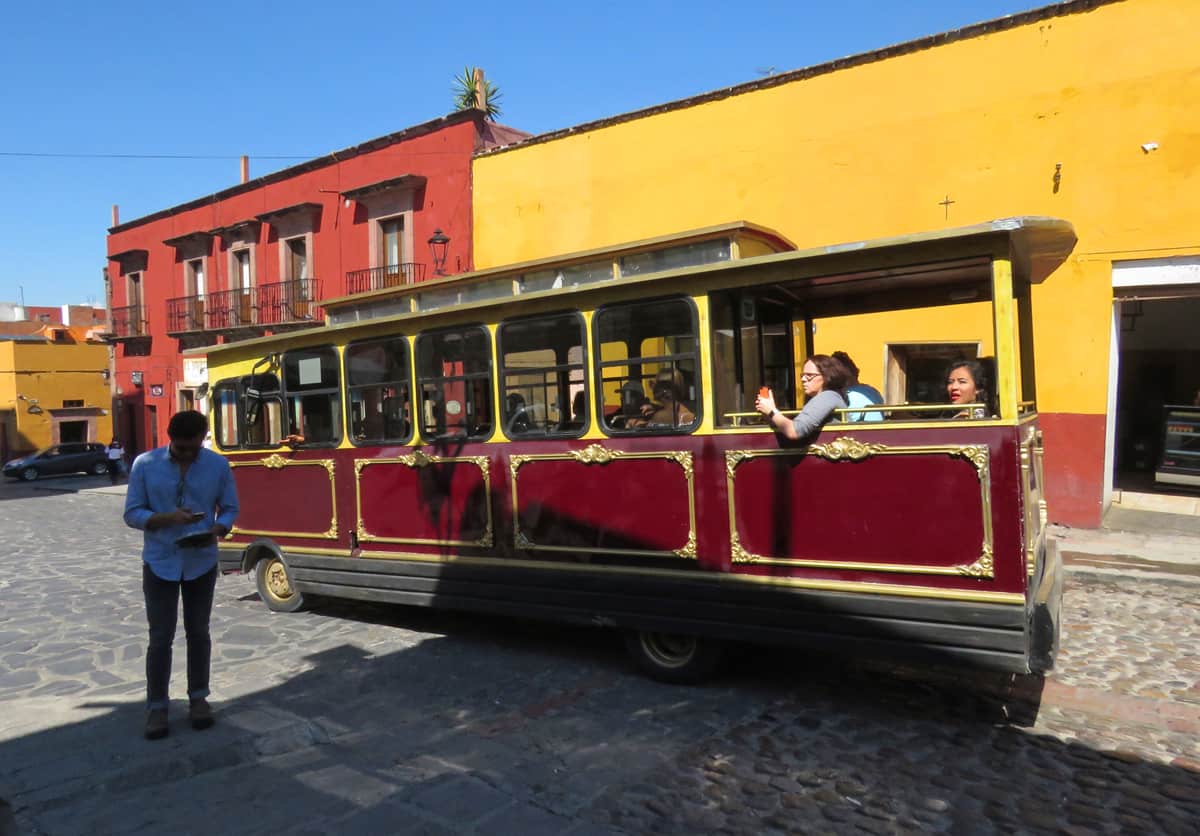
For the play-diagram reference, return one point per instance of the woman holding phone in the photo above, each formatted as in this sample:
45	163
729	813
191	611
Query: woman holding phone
824	380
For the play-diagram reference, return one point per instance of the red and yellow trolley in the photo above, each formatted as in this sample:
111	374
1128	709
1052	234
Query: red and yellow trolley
482	443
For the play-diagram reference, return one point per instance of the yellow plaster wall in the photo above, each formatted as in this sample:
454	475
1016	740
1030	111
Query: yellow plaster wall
865	337
52	373
870	151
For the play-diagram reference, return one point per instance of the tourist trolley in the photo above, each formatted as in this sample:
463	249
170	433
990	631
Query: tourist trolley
483	443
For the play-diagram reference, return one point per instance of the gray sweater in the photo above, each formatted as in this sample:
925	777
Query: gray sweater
817	412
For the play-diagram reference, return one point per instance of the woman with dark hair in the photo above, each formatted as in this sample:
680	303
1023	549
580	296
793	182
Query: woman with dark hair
967	383
824	380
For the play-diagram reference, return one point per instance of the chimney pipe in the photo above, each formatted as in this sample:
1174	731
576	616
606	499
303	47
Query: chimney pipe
245	168
479	88
116	216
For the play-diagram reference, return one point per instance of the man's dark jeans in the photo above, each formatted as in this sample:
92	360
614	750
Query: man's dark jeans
162	611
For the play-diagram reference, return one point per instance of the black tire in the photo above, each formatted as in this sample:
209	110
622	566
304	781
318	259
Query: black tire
30	474
674	657
98	469
275	587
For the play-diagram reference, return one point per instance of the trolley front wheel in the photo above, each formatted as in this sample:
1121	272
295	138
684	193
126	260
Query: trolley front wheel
275	585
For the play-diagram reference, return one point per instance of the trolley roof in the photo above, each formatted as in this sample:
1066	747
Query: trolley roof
1035	245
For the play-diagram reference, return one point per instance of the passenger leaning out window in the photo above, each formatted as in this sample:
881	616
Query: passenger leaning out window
824	380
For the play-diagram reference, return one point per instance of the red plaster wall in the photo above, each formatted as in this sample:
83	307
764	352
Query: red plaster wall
340	239
1074	467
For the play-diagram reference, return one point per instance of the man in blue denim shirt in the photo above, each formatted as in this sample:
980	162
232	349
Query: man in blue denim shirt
182	496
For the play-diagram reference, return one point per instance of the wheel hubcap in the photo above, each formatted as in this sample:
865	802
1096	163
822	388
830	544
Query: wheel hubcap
277	580
669	650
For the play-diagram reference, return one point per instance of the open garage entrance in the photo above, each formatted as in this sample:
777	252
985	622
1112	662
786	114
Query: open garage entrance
1156	433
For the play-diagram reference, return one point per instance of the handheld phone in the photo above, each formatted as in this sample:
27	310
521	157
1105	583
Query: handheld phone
764	392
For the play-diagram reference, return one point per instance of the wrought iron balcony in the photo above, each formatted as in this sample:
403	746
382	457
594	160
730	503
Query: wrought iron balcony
377	278
185	314
229	310
128	322
290	303
266	306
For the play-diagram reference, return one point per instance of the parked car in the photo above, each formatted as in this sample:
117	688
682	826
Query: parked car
61	458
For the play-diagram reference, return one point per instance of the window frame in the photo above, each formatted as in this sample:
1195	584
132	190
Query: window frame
503	370
348	388
598	366
226	384
419	382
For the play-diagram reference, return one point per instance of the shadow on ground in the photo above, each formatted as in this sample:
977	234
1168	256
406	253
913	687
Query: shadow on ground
491	725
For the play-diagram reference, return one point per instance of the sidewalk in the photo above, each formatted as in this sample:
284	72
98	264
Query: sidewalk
1145	543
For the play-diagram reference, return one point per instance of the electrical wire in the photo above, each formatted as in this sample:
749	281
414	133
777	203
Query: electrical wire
86	156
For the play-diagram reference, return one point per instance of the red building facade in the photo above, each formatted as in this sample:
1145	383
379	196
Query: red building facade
261	256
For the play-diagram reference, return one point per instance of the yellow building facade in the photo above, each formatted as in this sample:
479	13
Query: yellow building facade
1084	111
53	391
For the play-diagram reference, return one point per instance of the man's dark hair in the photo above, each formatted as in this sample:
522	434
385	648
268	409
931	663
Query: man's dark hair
187	424
845	360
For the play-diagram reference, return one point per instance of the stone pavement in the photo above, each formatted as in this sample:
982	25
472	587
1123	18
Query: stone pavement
367	719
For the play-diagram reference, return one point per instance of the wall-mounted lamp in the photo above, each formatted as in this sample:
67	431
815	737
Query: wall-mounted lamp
1147	147
136	378
1057	176
34	409
106	373
438	244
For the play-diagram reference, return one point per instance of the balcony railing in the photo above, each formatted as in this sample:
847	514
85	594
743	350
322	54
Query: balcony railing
185	313
229	309
377	278
266	306
290	303
129	322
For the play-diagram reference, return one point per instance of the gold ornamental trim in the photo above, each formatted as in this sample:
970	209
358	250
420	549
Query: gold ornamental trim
1033	495
598	454
419	459
278	462
847	449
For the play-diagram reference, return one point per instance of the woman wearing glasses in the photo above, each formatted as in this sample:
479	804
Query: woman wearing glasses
824	380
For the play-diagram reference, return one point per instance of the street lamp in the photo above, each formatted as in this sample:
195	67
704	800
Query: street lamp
438	245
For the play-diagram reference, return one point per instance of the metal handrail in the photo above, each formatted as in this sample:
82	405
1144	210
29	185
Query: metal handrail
879	407
377	278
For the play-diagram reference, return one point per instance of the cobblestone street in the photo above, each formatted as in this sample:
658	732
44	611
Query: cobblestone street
353	718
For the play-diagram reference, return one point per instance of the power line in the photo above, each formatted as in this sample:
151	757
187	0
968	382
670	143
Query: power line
87	156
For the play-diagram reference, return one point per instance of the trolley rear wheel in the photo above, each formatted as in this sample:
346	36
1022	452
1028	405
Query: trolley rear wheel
674	657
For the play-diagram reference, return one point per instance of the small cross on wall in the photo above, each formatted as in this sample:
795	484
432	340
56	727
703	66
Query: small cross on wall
946	203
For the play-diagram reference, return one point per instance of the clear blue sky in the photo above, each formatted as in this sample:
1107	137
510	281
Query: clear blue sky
303	78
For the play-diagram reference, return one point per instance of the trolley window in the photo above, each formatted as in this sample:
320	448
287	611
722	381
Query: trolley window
541	364
752	348
379	390
646	365
262	410
312	395
225	414
454	374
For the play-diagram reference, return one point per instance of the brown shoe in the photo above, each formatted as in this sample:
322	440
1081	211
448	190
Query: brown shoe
156	723
200	713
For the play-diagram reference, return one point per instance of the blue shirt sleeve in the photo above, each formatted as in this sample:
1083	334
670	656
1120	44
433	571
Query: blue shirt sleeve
227	500
137	500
